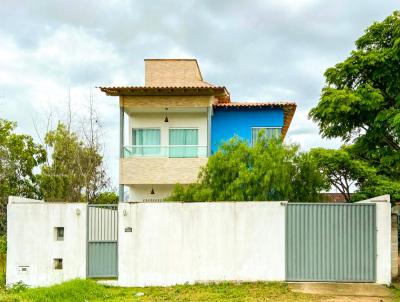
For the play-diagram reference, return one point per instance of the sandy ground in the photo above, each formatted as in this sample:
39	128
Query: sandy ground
345	292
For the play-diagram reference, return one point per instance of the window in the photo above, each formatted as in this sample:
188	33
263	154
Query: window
58	263
59	233
269	132
146	142
183	142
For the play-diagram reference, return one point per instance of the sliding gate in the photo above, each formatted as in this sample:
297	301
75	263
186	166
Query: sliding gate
102	244
331	242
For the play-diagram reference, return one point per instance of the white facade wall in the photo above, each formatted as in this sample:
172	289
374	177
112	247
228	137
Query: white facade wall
142	192
175	243
196	120
383	238
31	241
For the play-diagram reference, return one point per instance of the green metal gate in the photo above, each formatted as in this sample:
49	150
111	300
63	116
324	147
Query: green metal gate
331	242
102	241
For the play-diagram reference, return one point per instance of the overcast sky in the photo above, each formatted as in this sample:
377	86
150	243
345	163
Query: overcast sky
260	50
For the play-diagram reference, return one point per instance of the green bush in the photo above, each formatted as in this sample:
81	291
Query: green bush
75	290
269	170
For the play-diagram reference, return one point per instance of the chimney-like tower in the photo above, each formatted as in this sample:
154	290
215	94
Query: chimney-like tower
173	73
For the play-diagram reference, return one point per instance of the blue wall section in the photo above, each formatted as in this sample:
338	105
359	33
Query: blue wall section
226	122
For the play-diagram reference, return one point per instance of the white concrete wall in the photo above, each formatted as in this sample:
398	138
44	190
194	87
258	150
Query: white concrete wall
31	241
383	238
174	243
175	120
170	243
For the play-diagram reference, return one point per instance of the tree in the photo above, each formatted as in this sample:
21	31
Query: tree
19	157
342	171
75	172
109	197
361	99
270	170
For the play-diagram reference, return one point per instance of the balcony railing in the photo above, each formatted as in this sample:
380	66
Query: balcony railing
172	151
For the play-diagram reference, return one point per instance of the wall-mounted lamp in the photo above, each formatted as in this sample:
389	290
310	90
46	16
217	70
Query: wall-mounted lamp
166	117
152	191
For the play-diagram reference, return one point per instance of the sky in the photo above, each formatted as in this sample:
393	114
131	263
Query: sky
54	51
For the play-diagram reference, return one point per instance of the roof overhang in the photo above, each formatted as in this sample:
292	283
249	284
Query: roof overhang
220	93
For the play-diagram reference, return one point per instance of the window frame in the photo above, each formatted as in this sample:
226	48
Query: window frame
267	127
144	128
157	148
183	128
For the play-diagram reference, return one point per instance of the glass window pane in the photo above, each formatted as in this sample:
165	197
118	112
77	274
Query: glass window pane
268	133
146	142
183	142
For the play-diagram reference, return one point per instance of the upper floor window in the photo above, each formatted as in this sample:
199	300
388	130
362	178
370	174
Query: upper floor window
183	142
146	141
269	132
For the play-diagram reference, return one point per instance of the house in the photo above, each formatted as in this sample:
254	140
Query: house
177	120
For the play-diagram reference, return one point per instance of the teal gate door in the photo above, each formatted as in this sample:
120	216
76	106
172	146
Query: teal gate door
102	243
330	242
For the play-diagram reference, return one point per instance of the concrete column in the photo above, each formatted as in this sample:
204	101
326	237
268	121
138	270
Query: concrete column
394	248
121	146
209	113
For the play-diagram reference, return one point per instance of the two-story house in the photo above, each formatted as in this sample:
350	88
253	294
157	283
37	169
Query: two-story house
176	120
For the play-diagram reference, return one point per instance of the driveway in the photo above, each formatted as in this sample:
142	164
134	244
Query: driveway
345	292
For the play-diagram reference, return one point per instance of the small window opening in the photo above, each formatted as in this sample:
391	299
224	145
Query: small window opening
58	263
59	232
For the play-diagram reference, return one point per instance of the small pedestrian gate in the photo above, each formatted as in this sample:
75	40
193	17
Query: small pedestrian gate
102	241
331	242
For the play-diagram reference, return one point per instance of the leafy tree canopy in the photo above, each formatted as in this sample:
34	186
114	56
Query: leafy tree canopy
270	170
108	197
75	172
361	101
343	171
19	156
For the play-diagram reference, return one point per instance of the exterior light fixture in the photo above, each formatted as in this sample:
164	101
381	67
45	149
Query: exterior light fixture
166	117
152	191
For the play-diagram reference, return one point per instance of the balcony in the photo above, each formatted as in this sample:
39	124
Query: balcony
168	151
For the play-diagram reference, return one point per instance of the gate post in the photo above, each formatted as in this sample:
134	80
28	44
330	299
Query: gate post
394	247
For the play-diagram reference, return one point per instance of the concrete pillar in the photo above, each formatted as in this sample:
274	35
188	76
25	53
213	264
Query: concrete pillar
209	114
121	146
394	248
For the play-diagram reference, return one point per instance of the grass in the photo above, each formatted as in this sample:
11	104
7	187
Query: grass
88	290
396	291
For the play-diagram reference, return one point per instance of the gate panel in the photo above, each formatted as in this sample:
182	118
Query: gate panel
102	241
331	242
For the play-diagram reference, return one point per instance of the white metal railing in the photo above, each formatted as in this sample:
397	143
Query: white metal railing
176	151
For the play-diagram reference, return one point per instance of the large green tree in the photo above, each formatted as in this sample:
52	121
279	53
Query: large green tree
75	170
270	170
19	157
343	172
361	100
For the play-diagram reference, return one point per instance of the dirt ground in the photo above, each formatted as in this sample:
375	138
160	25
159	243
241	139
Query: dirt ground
345	292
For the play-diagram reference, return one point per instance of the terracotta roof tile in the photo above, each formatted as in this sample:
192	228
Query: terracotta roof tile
208	86
255	104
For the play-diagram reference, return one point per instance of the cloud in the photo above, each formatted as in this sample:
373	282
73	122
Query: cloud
260	50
